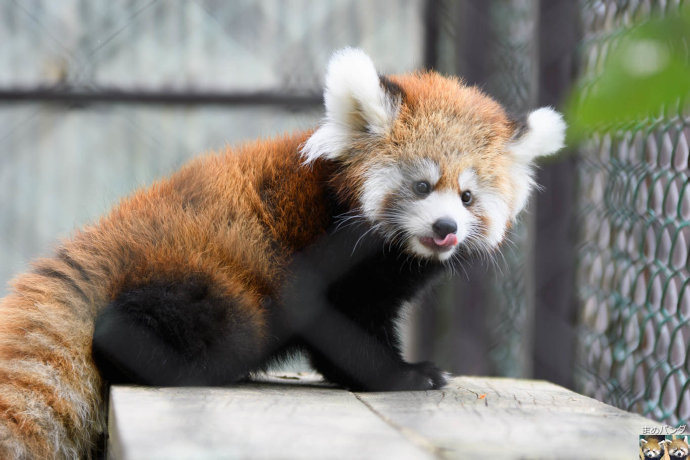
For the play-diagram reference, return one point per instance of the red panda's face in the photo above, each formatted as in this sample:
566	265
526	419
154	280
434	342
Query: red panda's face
679	448
431	164
651	447
432	209
652	451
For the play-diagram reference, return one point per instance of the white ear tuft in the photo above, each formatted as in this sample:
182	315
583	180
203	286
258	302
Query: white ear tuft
353	88
545	134
356	104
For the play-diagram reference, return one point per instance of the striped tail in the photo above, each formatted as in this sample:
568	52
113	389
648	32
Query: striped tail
51	396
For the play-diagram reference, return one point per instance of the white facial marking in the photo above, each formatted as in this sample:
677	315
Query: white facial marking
489	203
498	214
426	169
422	214
379	183
468	180
523	183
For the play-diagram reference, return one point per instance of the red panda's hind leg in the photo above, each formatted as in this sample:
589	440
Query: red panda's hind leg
177	333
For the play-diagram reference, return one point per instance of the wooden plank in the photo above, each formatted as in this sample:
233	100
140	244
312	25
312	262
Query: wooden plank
295	416
253	420
475	417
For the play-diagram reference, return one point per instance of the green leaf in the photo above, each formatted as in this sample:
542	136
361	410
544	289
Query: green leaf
646	70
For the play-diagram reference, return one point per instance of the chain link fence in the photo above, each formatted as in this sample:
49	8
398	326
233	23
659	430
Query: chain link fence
633	275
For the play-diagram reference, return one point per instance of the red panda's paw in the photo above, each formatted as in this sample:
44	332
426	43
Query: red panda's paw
423	376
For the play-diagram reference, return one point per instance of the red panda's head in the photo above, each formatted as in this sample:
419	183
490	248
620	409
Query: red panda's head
678	447
652	448
431	163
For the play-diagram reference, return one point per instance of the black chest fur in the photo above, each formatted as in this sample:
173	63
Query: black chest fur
340	304
354	273
379	284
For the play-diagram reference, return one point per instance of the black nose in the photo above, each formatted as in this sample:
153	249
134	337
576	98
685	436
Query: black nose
444	226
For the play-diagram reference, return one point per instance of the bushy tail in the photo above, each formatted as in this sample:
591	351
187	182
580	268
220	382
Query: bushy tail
50	391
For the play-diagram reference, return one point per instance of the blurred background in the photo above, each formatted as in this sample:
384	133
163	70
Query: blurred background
99	97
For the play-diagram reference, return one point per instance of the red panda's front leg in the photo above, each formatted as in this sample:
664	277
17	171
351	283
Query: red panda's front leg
344	306
347	354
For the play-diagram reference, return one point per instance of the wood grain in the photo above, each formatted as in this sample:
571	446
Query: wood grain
296	416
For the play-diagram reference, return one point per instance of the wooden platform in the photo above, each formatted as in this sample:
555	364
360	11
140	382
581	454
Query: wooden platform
296	416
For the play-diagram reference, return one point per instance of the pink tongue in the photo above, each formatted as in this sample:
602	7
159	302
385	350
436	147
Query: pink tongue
450	240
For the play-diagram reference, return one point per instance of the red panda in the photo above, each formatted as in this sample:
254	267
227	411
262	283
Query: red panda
308	242
653	449
678	448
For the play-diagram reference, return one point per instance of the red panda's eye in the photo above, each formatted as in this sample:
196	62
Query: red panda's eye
466	197
422	188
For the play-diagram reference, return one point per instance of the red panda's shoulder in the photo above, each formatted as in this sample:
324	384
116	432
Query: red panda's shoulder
266	179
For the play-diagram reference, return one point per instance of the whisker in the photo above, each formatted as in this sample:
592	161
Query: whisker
349	218
354	248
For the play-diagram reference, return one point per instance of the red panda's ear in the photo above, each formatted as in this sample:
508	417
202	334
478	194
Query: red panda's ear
543	134
358	103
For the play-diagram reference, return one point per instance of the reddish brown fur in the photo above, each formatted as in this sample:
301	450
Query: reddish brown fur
441	111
